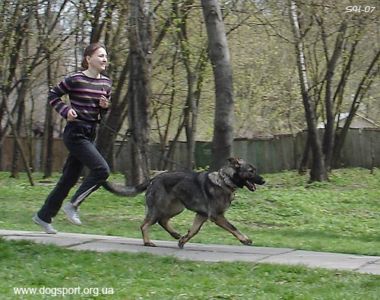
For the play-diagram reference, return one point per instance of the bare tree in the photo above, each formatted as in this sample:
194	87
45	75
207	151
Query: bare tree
339	36
12	40
114	32
318	170
224	101
362	89
331	62
139	89
18	143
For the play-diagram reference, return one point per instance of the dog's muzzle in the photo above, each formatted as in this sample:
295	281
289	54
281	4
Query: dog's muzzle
251	182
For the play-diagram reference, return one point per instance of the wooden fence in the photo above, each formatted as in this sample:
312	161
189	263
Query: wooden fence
269	155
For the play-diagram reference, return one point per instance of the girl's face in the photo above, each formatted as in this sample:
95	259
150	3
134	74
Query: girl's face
98	60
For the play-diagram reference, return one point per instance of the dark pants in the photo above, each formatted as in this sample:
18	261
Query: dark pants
79	139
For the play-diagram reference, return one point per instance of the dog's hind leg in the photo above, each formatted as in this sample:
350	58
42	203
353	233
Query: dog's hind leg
197	224
165	224
223	222
144	230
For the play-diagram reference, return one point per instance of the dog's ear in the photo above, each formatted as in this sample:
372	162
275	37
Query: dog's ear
234	161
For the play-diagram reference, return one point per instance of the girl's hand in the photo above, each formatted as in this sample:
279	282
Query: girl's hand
71	115
104	102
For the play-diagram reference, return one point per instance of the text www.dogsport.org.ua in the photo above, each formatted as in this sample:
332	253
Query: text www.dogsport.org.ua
64	291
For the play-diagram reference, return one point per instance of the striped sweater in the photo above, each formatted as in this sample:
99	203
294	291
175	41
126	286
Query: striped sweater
84	94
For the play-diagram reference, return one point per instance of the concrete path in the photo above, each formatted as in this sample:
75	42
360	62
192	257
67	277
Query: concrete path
204	252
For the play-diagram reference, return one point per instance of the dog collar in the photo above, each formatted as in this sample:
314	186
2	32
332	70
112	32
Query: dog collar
222	180
227	181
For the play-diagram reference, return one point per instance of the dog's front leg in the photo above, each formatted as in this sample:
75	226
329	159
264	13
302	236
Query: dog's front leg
197	224
223	222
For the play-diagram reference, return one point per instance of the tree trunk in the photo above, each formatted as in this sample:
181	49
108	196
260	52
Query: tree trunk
18	143
20	107
193	75
224	102
318	170
97	23
18	127
113	121
338	98
139	90
363	87
304	164
47	144
329	134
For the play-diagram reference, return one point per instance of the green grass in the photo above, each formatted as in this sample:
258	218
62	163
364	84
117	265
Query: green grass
142	276
342	215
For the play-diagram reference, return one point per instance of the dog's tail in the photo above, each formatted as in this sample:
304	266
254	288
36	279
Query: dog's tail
126	191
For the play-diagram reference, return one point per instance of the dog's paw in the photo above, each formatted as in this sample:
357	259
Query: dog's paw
176	235
182	241
150	244
247	242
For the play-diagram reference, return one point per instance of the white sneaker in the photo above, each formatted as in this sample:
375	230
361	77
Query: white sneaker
47	227
72	213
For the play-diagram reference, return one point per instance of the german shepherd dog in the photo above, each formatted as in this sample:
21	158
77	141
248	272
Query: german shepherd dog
208	194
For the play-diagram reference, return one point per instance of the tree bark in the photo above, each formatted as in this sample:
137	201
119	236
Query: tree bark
304	164
139	90
363	87
18	126
194	81
113	121
224	101
47	144
18	143
318	170
329	133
